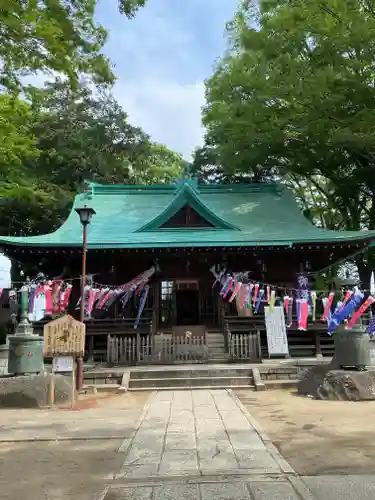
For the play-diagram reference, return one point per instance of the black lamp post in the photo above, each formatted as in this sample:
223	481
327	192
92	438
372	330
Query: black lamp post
85	215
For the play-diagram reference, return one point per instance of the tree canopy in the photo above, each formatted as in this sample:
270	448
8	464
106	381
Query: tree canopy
293	98
55	35
61	137
295	92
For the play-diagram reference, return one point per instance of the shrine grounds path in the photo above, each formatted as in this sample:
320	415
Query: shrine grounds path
202	444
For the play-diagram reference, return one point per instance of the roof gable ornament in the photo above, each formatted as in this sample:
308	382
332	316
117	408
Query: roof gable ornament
187	210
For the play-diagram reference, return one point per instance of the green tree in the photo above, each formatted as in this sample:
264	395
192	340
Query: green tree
297	94
54	35
159	165
78	136
294	96
207	167
82	135
18	142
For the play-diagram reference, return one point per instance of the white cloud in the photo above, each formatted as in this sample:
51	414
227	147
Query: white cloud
168	111
161	59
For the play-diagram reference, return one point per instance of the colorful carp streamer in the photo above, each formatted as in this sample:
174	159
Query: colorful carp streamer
65	296
272	300
313	305
246	296
304	314
298	309
47	290
348	294
255	296
259	300
327	307
290	312
340	315
91	301
56	292
229	287
142	303
236	290
225	286
286	304
243	296
353	320
371	326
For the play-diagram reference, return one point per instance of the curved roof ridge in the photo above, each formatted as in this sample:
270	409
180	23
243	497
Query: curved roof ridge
274	187
187	194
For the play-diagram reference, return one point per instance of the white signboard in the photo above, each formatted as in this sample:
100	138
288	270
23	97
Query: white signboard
63	364
276	331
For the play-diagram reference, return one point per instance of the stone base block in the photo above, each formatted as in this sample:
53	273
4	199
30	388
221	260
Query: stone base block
32	391
326	382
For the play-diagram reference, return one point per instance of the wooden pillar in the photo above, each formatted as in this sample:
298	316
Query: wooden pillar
90	348
220	310
318	349
155	307
138	347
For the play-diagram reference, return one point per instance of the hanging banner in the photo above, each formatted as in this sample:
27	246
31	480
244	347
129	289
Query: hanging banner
277	339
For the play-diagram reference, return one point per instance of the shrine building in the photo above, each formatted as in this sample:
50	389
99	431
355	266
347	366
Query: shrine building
184	232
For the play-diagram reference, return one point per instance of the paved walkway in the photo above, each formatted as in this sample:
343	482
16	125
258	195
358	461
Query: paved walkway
201	445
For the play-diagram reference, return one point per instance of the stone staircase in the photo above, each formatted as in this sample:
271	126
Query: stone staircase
197	377
216	346
279	377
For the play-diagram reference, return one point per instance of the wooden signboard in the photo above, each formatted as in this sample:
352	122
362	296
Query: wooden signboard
277	339
64	336
64	340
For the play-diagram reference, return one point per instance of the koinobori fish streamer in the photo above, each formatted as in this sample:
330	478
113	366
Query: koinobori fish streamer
350	308
57	294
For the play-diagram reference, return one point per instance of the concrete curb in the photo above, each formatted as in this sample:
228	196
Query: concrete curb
276	455
61	439
103	494
299	486
128	441
259	385
125	380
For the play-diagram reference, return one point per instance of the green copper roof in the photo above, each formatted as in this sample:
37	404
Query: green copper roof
240	215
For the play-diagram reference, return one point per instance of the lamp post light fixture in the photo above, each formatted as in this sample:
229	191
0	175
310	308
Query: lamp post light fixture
85	215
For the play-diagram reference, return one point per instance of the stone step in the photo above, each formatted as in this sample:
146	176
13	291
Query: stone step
280	383
231	372
94	388
152	383
186	388
218	358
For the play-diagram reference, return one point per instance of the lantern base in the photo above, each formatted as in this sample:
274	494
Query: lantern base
25	354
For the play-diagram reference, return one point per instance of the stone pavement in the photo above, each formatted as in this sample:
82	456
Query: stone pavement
201	444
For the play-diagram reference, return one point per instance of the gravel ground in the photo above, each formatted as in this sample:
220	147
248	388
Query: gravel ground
317	437
73	460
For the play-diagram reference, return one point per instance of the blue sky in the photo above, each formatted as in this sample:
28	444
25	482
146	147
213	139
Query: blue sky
161	59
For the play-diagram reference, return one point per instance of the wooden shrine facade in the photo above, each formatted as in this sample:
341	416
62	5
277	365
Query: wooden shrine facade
183	230
183	298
